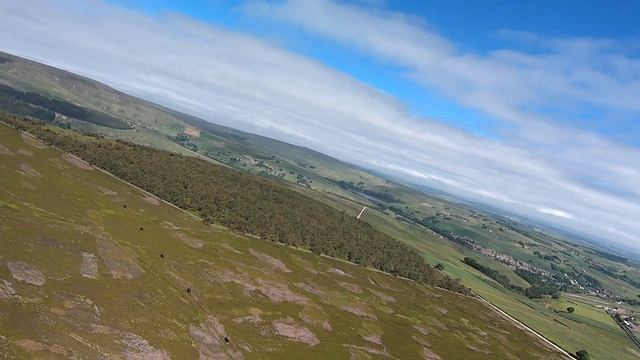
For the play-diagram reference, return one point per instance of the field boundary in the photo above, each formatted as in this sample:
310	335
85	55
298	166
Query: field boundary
526	327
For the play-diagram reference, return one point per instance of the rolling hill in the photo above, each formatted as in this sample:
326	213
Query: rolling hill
93	267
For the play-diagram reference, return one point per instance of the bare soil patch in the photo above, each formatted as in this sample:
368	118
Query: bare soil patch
151	200
289	329
5	151
209	336
29	171
120	264
32	141
22	271
77	162
269	260
191	131
89	265
25	152
137	348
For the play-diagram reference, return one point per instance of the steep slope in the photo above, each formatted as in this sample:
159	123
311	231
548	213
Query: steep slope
92	267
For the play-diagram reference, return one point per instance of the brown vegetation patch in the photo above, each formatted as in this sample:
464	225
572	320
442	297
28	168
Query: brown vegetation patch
289	329
382	296
5	151
351	287
428	354
25	152
137	348
276	264
89	265
29	171
36	346
22	271
360	311
6	290
77	162
151	200
209	336
120	264
32	141
189	240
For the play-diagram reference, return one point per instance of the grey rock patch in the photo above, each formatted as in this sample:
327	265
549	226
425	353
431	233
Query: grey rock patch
89	265
32	141
276	264
24	272
6	290
209	336
77	162
137	348
287	328
25	152
5	151
120	264
26	169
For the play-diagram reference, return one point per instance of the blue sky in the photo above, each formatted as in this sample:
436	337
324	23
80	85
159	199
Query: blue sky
530	106
473	25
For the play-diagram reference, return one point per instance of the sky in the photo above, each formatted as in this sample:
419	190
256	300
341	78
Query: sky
529	106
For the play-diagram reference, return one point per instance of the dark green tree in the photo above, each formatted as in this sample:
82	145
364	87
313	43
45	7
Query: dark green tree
582	355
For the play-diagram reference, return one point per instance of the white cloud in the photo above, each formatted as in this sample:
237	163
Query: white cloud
555	212
244	82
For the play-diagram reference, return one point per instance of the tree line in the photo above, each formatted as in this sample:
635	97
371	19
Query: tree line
245	203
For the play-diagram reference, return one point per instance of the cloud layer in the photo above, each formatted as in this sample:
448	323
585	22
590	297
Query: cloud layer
538	167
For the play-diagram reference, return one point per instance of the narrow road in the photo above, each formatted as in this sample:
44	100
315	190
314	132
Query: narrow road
518	322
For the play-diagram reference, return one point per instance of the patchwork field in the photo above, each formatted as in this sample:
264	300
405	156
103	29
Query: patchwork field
92	267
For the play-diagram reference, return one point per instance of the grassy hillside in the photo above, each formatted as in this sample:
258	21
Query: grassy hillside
92	267
399	211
